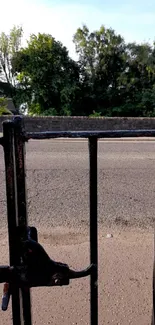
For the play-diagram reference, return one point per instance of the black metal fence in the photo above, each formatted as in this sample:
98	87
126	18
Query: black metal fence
28	260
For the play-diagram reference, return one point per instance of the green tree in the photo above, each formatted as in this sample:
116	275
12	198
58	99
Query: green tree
137	81
9	45
118	79
111	78
102	58
45	70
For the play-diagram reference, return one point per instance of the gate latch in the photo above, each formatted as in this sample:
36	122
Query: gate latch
36	269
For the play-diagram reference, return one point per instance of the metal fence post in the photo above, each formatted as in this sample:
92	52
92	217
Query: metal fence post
22	204
93	230
11	193
14	145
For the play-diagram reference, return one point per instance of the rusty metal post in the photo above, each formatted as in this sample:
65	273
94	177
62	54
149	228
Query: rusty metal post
22	204
93	230
14	146
11	193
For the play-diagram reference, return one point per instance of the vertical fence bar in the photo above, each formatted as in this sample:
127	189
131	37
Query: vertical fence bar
11	193
22	205
153	282
93	230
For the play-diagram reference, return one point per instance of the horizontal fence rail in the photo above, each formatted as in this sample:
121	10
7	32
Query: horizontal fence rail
88	134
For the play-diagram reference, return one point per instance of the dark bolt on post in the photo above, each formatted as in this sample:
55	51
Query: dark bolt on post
93	230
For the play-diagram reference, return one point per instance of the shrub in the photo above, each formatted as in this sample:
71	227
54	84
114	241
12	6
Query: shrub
3	107
95	114
4	111
50	112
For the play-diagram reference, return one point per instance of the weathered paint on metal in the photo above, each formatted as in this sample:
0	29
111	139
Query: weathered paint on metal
89	134
22	219
11	192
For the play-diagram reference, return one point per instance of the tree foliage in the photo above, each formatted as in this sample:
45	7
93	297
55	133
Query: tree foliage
110	78
120	76
9	45
3	107
46	71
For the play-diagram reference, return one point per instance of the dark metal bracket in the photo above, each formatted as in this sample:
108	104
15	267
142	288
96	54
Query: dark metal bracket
37	268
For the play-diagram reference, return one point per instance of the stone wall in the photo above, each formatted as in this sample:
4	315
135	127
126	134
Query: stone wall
34	124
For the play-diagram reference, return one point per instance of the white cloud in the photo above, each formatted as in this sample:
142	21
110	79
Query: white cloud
62	20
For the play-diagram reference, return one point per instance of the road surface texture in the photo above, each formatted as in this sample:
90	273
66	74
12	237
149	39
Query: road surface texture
58	204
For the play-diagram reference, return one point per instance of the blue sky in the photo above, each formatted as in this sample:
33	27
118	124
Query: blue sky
133	19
